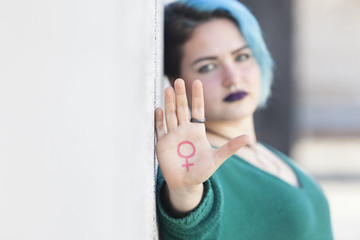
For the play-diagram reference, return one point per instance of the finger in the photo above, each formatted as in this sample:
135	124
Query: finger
197	110
228	149
182	109
170	110
159	123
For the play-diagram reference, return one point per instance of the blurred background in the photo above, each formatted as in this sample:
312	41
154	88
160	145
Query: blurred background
314	112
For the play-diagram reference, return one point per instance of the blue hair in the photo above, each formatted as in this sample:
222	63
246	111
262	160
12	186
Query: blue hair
251	31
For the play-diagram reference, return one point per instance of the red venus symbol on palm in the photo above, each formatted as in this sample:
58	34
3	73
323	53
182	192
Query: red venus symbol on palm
187	164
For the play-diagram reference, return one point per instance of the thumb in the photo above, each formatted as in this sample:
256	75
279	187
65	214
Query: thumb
229	148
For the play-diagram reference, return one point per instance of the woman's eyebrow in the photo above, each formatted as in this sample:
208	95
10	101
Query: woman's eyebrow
214	58
203	59
240	49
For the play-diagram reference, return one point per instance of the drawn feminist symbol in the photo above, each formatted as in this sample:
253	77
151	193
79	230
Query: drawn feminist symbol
187	164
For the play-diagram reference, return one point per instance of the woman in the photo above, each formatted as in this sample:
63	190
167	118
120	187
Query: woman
216	180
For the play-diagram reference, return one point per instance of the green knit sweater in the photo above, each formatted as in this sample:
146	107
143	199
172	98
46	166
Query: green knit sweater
242	201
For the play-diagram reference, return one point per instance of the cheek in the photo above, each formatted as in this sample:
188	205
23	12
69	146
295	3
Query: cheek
211	92
258	79
253	74
256	83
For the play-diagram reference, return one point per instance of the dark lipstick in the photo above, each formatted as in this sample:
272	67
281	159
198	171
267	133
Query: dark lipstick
235	96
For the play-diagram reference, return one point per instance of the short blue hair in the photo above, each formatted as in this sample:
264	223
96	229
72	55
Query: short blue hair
251	31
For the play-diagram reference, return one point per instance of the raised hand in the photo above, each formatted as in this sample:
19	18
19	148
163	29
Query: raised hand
185	156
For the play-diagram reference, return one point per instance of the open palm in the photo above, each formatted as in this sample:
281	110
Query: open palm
185	156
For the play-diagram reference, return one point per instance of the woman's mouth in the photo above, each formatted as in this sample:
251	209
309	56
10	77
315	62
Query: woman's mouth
235	96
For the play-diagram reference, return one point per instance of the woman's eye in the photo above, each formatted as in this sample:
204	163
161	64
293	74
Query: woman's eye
242	57
206	68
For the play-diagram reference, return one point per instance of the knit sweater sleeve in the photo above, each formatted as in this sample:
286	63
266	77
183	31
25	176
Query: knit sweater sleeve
201	223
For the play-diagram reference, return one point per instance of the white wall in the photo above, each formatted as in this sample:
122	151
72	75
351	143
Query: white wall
77	82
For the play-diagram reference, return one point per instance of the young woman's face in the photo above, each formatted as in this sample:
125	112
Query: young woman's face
218	55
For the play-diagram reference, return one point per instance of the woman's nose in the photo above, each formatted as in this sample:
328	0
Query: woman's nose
231	78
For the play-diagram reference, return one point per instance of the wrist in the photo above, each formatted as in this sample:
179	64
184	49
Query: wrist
181	201
185	191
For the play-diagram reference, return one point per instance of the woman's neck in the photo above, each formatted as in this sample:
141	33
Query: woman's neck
231	129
